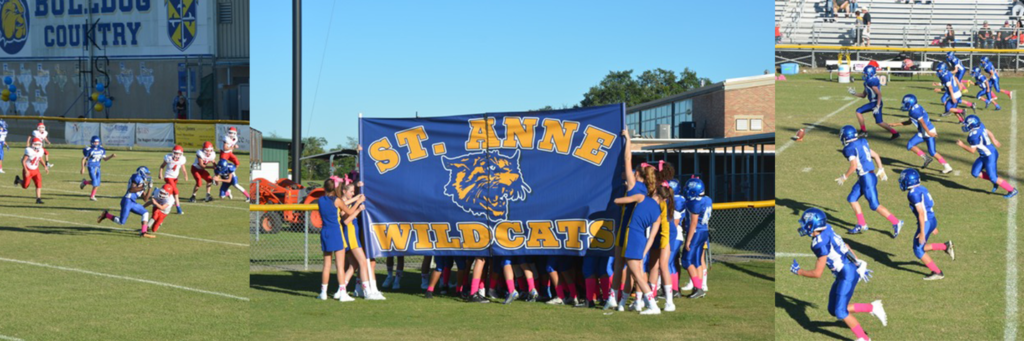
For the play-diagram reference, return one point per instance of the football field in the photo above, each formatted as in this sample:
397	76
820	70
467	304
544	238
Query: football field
64	276
978	299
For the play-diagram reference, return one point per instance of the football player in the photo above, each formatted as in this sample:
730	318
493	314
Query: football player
921	205
229	145
951	96
205	158
993	76
983	142
833	253
985	89
925	133
30	168
226	178
169	170
91	158
957	69
161	200
43	136
3	143
873	92
139	185
860	155
698	207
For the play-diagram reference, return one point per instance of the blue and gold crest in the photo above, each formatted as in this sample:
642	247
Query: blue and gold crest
13	25
181	22
483	185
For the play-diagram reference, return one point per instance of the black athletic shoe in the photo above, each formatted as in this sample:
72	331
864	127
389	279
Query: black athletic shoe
39	201
430	294
894	136
17	180
863	134
677	294
464	295
208	198
697	293
192	199
531	297
479	299
584	304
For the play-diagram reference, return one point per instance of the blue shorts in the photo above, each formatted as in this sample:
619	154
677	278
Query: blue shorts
674	245
129	206
873	108
443	262
597	266
989	164
917	139
960	75
994	82
950	103
2	151
693	256
511	260
842	291
557	263
929	226
94	175
866	186
634	244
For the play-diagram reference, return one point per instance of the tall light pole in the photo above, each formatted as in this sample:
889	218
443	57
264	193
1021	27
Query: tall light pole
296	91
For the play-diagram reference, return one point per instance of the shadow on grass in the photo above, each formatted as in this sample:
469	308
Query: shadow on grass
66	230
885	258
747	271
48	207
798	207
306	283
797	310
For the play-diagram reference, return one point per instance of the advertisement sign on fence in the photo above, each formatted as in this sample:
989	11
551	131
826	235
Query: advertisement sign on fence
154	134
117	134
243	136
79	133
528	183
192	135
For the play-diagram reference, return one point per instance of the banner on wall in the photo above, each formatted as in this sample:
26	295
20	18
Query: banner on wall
80	133
154	134
56	29
192	135
243	136
117	134
528	183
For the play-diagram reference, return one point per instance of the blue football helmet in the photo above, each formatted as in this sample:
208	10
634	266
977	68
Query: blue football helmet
984	59
95	140
950	55
909	178
942	67
869	71
847	134
694	189
143	172
225	167
812	220
674	184
908	102
970	122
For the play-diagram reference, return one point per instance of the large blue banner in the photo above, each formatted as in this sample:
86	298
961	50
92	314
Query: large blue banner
496	184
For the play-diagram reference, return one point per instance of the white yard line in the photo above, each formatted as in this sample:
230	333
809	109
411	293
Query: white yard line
1010	331
810	127
789	254
10	338
122	229
125	278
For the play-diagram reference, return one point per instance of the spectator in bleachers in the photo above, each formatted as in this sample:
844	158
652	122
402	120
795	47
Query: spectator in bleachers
1018	8
1004	36
949	39
843	6
865	34
985	38
829	11
778	34
1011	43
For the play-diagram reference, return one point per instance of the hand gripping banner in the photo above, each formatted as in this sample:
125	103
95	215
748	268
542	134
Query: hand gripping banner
496	184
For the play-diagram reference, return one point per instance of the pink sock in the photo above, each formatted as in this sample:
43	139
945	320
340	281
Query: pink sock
675	282
545	283
93	192
968	103
110	216
862	308
862	128
941	159
622	286
559	292
144	227
591	288
956	111
859	332
1006	185
1007	92
938	246
511	286
430	288
860	219
934	268
892	131
530	284
572	290
892	219
696	282
474	287
920	153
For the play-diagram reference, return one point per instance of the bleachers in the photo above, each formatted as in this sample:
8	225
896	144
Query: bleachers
893	24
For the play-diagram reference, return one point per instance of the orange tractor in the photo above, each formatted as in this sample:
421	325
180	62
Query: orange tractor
286	191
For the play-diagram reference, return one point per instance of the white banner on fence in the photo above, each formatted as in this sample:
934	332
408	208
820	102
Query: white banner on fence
154	134
243	136
79	133
118	134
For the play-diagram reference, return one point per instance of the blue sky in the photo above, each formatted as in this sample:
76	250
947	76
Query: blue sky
394	58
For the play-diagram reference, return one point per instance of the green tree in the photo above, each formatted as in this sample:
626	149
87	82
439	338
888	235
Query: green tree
622	86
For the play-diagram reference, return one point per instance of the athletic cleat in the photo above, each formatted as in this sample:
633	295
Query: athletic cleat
998	108
322	296
949	250
1011	194
934	276
2	171
429	294
946	169
147	235
82	185
192	199
92	198
396	285
894	136
677	294
652	309
464	295
208	198
388	281
359	291
669	305
477	298
858	229
689	286
531	296
946	114
492	294
375	296
995	188
573	302
17	180
896	229
879	312
927	161
102	216
39	201
863	134
512	296
610	304
555	301
635	306
696	294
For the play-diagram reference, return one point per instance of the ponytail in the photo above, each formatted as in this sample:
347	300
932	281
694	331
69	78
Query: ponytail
667	195
650	178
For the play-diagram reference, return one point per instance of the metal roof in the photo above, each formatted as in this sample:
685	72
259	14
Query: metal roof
766	138
327	155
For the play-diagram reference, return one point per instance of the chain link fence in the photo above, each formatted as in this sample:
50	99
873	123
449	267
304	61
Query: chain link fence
286	240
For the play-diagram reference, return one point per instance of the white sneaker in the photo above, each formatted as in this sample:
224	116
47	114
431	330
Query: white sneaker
481	292
688	287
669	305
345	297
610	304
946	169
879	312
555	301
375	296
337	295
322	296
622	303
387	281
862	339
395	285
652	309
2	171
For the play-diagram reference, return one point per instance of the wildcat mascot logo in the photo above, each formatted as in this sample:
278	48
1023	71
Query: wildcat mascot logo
482	184
13	25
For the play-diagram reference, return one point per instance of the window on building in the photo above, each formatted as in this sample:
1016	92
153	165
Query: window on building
755	124
742	124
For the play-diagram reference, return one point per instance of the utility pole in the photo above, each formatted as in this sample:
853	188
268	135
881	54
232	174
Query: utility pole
296	91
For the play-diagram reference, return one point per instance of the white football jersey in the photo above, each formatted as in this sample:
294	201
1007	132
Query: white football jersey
201	155
41	135
231	141
167	200
34	156
3	135
173	167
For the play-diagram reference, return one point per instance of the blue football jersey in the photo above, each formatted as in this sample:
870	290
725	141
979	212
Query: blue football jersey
868	84
990	68
917	112
702	208
859	150
831	246
135	179
954	63
920	196
684	216
949	82
94	155
977	138
982	81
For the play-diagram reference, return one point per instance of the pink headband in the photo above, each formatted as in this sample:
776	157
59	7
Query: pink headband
644	165
335	179
665	183
661	163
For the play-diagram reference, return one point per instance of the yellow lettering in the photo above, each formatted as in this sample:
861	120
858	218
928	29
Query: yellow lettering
594	140
482	135
603	237
557	135
519	132
507	234
422	236
444	242
384	157
541	236
475	236
391	237
413	139
572	230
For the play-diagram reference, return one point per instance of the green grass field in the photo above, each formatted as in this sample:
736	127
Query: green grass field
284	307
66	277
971	302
